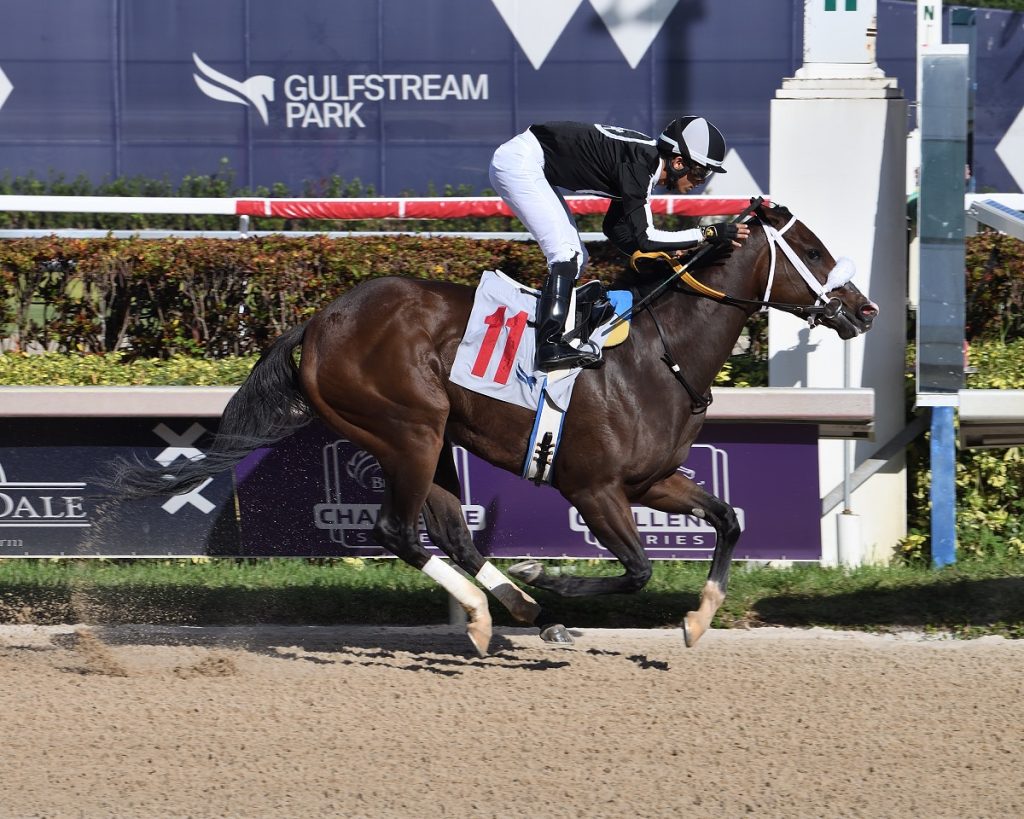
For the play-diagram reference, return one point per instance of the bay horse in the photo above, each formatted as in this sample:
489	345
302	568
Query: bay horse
375	367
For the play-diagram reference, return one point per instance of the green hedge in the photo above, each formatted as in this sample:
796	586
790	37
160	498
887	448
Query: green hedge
221	297
117	370
995	287
990	482
228	297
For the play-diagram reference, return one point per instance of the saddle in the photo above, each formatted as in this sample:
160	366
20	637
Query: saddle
595	305
495	357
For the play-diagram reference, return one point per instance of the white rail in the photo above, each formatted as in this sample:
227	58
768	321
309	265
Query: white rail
841	413
991	418
411	207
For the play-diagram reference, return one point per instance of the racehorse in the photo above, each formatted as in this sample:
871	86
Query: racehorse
375	366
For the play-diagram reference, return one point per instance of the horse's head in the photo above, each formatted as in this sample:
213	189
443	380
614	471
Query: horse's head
802	273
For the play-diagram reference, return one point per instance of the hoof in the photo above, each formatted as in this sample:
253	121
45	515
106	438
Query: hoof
557	635
478	628
479	633
526	570
692	630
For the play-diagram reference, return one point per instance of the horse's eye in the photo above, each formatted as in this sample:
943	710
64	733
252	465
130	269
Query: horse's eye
813	255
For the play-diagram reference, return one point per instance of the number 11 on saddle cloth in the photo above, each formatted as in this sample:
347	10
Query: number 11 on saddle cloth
498	350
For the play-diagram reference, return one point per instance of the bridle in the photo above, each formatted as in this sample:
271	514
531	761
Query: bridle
839	276
823	307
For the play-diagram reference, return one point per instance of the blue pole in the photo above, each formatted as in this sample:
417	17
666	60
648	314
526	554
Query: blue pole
943	489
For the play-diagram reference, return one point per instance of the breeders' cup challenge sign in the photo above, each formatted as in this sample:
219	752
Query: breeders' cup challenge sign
330	498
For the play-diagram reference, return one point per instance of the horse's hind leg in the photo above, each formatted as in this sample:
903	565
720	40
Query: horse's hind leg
677	494
382	393
449	532
397	531
408	458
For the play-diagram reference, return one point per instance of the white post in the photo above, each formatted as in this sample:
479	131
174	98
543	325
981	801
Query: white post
838	161
849	546
849	534
929	34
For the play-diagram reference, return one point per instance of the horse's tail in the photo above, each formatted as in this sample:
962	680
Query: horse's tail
269	406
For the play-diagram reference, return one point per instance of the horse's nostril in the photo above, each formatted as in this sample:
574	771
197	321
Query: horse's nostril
868	311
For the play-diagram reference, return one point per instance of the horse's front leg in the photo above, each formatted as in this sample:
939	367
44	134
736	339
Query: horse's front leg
677	494
607	512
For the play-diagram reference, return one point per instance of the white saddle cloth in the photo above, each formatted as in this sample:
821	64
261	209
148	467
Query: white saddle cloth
498	351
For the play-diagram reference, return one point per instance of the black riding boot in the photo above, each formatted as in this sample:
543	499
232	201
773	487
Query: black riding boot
552	311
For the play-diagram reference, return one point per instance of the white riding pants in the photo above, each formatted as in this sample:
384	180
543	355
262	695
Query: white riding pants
517	174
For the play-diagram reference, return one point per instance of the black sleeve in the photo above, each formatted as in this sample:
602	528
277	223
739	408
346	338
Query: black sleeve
629	224
618	231
633	231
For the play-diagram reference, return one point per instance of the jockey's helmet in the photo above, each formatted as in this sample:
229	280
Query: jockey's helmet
696	140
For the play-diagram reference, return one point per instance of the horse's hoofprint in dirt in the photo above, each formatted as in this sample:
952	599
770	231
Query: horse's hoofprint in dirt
369	722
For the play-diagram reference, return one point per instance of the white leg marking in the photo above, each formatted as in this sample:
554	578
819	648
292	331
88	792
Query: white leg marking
456	584
697	622
470	598
521	606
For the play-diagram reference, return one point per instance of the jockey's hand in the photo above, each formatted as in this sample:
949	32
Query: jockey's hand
722	233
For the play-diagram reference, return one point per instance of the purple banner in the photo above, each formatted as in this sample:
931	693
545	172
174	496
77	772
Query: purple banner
316	495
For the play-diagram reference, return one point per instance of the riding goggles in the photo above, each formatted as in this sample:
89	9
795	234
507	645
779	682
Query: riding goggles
699	173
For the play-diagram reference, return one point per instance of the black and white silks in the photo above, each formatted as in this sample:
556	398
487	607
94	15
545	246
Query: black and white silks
622	165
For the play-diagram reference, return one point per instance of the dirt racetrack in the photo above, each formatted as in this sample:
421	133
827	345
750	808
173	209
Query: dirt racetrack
389	722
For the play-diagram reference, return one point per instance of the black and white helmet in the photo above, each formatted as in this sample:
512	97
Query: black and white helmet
695	140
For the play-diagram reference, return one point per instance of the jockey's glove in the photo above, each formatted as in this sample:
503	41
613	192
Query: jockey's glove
720	233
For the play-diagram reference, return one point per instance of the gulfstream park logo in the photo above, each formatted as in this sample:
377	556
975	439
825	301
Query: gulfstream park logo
336	100
256	91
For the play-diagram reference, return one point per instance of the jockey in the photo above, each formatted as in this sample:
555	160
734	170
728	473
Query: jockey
612	162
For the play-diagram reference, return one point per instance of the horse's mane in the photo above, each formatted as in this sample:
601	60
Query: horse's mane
780	212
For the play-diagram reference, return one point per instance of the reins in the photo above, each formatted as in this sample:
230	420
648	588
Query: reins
828	308
681	269
824	307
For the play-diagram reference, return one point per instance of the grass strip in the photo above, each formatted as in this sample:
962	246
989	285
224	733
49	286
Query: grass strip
969	599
